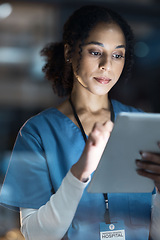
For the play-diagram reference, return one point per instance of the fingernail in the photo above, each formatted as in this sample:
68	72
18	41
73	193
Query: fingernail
144	154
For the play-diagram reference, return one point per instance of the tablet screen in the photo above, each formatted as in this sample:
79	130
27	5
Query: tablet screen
116	172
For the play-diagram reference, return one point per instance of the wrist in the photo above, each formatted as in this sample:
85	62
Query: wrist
80	175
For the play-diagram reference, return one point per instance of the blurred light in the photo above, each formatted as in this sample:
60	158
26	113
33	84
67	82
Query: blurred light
37	64
5	10
14	55
141	49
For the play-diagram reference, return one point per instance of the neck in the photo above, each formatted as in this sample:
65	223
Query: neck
89	102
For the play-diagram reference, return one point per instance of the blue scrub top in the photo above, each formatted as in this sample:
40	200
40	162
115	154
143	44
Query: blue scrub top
46	147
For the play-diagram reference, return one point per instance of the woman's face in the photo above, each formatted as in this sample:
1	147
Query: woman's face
103	58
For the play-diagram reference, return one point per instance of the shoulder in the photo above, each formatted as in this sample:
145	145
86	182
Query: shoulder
120	107
42	120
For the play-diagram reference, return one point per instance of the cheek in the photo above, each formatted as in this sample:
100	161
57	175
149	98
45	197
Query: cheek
85	68
119	69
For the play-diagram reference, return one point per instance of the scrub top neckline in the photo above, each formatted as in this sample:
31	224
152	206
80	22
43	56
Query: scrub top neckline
69	120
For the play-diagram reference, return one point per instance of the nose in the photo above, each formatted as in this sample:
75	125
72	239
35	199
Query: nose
105	64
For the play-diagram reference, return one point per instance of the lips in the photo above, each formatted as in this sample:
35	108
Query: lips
102	80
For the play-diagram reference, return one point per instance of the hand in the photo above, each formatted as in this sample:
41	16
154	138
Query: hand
93	151
149	167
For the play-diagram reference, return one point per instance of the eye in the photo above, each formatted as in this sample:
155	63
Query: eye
95	53
117	56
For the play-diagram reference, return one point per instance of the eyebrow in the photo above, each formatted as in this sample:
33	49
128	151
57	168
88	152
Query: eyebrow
102	45
95	43
121	46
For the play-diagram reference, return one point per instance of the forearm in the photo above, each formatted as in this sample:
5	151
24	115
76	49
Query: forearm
53	219
155	218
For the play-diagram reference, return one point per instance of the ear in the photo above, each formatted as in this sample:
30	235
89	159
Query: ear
67	54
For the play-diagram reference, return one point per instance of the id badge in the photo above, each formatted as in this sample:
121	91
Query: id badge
115	231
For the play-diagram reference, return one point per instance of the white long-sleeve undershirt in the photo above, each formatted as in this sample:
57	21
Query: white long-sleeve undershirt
51	221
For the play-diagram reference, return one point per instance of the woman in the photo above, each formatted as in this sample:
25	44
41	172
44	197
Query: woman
53	159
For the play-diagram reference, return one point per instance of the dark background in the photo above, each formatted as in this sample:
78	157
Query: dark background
25	27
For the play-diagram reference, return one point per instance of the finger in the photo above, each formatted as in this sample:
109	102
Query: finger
155	177
109	125
151	157
100	133
95	134
97	128
102	129
148	166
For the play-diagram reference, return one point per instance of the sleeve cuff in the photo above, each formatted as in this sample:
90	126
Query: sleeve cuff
76	182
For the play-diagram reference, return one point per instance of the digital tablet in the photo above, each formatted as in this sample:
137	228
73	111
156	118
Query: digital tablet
116	172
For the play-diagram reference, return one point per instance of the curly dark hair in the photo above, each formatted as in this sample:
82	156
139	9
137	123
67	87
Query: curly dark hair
77	28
